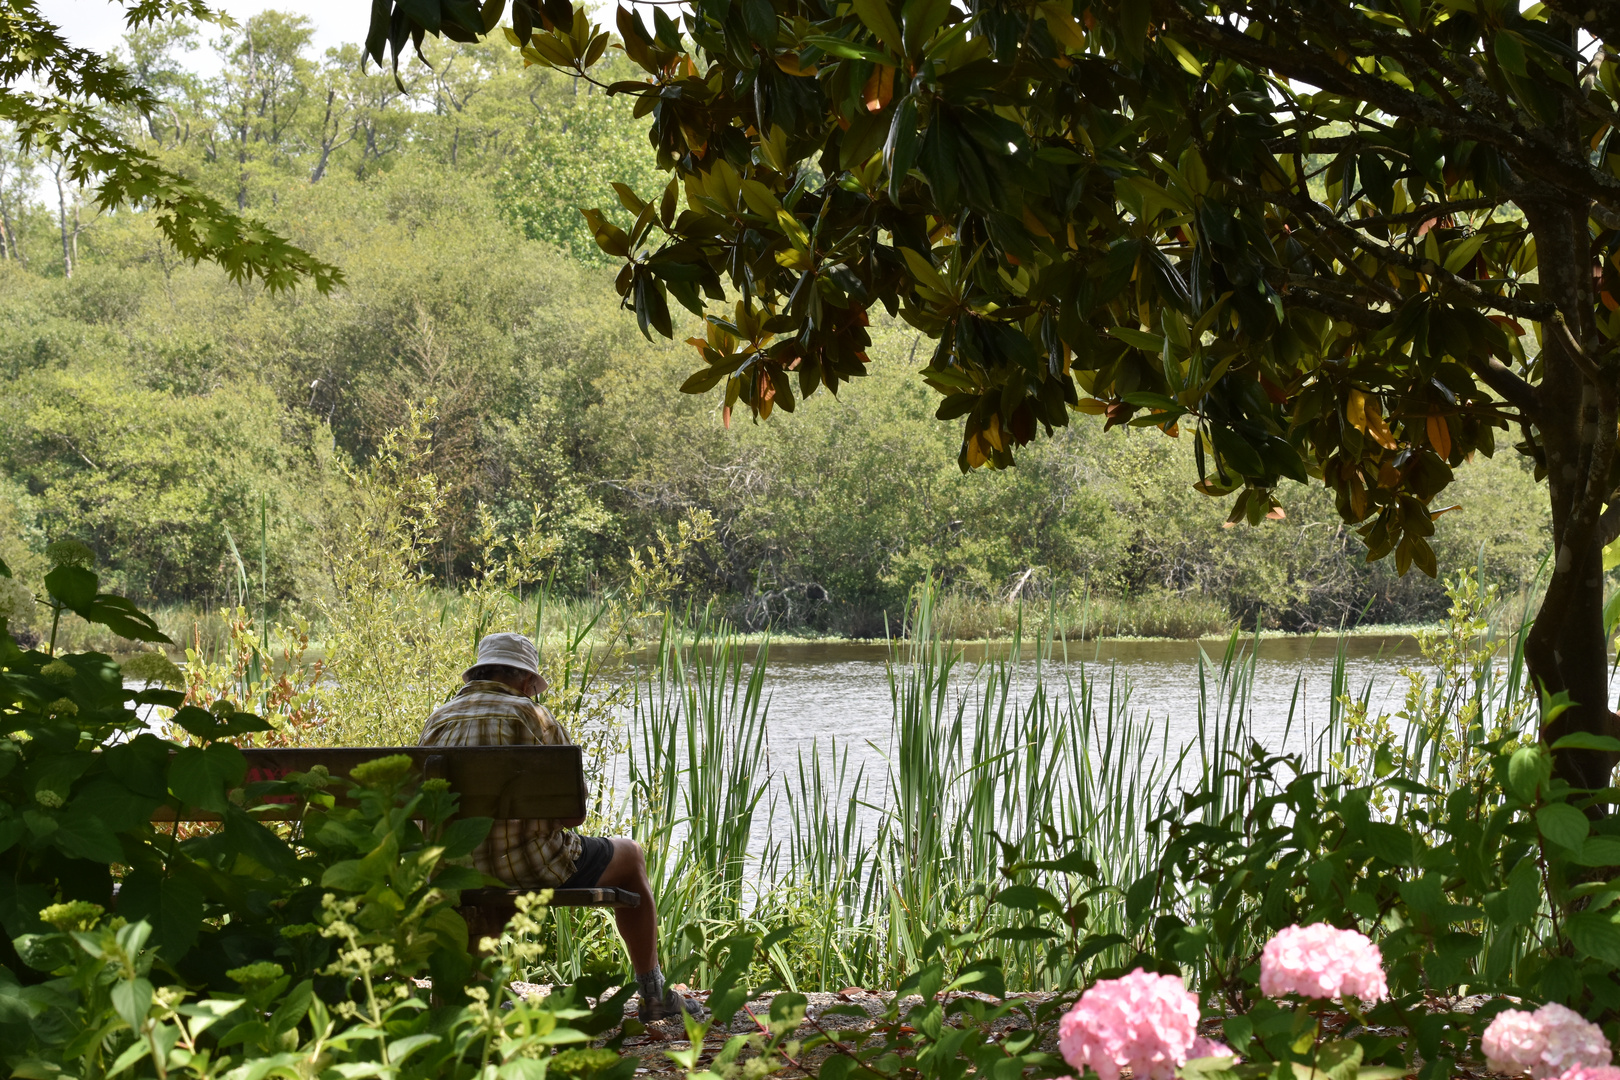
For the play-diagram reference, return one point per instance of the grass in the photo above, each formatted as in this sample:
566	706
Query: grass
957	618
1184	617
982	787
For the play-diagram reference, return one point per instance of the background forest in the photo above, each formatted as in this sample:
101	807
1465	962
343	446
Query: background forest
155	410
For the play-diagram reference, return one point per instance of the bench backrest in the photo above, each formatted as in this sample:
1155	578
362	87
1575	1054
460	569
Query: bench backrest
521	782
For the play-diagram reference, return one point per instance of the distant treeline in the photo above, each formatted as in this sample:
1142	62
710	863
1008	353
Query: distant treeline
151	408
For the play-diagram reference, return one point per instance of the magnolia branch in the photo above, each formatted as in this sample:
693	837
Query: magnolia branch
1532	151
1559	329
1506	382
1312	293
1324	216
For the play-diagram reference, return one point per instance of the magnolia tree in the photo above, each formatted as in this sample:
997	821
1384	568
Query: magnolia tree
1354	243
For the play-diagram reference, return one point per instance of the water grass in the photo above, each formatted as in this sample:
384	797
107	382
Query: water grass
1027	769
990	771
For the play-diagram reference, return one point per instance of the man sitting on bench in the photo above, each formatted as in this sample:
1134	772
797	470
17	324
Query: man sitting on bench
493	708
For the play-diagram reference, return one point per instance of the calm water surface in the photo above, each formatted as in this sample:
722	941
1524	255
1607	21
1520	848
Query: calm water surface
819	691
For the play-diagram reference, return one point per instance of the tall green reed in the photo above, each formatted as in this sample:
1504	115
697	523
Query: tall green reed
1030	774
985	772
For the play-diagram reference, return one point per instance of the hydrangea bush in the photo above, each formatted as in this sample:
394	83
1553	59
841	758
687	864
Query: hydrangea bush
1322	961
1549	1041
1142	1022
1147	1023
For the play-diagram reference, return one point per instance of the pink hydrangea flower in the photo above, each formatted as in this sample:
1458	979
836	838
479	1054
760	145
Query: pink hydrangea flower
1143	1022
1592	1072
1551	1041
1322	961
1203	1048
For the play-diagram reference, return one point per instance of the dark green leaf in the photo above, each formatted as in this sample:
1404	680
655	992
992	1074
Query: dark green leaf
206	725
1028	898
1599	851
1585	740
1095	944
1563	825
172	904
1595	934
1139	895
1391	843
982	977
703	380
201	776
84	835
124	619
245	836
1023	933
73	586
463	835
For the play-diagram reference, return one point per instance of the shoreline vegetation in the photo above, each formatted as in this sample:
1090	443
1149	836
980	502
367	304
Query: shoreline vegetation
1016	836
189	627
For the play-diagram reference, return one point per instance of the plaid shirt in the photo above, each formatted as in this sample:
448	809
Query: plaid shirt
537	854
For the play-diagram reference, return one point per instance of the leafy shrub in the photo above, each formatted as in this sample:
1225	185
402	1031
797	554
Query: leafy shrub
109	1010
132	949
1502	887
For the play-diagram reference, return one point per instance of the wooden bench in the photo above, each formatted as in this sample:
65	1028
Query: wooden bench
502	782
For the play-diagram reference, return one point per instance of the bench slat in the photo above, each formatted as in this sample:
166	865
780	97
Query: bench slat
499	901
510	782
596	897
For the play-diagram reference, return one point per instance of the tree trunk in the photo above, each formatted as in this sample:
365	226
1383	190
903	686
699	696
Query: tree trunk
1567	651
62	222
1575	422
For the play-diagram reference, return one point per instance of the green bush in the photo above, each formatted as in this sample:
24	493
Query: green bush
130	948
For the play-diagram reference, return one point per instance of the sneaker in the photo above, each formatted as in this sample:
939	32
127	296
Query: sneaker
672	1005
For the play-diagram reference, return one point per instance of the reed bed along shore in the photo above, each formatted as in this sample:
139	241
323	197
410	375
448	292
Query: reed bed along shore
1014	771
959	618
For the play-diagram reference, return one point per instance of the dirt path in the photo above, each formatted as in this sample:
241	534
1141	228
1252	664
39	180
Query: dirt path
666	1035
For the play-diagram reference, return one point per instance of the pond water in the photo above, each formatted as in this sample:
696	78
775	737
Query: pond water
822	690
818	693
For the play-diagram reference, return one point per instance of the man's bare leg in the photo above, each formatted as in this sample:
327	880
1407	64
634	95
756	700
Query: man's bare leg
638	925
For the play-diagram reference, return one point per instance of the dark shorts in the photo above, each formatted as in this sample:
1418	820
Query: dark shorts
595	852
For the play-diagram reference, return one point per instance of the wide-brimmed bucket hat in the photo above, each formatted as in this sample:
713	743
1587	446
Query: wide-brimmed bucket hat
509	650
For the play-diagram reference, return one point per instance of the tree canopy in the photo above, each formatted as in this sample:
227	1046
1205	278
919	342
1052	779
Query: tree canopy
1351	242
